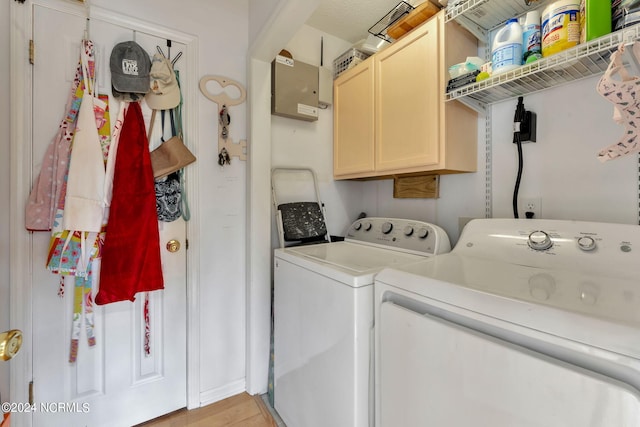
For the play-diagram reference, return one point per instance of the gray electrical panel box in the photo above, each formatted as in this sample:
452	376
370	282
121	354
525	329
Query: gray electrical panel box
294	89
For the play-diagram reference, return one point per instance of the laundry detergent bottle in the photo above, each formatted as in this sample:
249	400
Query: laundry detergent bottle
531	37
506	52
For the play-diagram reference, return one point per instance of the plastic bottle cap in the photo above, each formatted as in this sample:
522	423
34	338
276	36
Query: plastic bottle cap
512	20
482	76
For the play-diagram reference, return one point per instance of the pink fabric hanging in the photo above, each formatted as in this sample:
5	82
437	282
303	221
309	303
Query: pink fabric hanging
68	243
46	192
131	253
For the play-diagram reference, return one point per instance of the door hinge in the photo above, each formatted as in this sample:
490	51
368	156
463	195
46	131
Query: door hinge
31	393
32	52
20	1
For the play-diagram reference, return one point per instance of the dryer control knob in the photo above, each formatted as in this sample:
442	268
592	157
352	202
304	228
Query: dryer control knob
357	226
408	230
367	226
423	233
540	241
586	243
387	227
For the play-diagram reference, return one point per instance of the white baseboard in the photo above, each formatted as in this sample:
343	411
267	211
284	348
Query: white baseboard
211	396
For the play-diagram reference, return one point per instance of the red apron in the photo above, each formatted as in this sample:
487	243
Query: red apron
131	252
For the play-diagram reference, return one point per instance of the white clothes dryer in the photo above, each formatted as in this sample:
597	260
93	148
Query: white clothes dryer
523	323
323	319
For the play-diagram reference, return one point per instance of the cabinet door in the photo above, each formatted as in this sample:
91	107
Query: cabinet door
408	101
353	121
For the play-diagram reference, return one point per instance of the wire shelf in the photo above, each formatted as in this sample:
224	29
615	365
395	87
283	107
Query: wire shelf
582	61
488	14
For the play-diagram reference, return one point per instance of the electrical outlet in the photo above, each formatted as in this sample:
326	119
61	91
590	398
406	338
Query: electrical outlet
530	204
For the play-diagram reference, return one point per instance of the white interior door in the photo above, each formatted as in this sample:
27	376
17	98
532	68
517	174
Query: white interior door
114	383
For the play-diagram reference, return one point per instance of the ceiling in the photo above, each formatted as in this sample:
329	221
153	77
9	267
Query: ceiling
350	20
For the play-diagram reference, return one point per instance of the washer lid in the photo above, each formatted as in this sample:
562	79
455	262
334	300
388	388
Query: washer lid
351	263
593	309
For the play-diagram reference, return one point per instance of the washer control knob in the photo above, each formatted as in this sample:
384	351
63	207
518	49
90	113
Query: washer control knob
423	233
540	241
408	230
357	226
387	227
367	226
586	243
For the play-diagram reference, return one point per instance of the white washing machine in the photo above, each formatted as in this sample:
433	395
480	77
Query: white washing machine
523	323
323	309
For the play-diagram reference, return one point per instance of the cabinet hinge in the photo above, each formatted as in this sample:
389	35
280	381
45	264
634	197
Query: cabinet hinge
31	393
32	52
20	1
186	244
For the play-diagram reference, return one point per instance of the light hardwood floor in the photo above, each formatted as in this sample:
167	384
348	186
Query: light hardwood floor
240	410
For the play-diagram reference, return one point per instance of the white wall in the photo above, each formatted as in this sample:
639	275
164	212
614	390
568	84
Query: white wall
287	17
297	143
574	123
4	189
259	14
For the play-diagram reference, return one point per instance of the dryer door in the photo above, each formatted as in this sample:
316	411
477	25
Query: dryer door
434	372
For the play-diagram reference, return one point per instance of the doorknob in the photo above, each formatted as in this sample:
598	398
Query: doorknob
10	343
173	245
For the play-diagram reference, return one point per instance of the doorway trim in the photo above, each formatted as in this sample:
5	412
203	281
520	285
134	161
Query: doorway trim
21	156
285	20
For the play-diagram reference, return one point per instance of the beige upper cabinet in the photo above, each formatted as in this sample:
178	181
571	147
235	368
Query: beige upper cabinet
392	111
353	122
407	99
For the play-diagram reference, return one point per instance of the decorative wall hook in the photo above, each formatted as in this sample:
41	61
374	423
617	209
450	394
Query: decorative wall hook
226	147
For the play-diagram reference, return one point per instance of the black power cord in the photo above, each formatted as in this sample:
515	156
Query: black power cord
518	118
